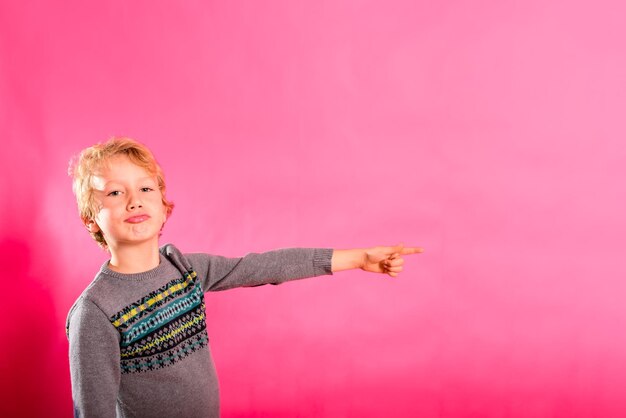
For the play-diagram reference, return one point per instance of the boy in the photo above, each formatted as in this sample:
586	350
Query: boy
137	334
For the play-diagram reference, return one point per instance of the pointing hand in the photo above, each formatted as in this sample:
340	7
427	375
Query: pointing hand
387	260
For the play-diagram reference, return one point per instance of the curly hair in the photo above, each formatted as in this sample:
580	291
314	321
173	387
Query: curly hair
91	160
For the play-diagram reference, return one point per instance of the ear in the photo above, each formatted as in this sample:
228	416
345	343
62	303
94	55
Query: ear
91	226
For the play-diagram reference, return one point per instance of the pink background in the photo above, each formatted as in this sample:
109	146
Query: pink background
489	132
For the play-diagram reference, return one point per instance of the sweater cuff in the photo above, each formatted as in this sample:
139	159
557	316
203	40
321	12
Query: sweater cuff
322	261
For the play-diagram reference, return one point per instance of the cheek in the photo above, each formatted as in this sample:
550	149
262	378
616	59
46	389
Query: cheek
108	211
162	209
103	215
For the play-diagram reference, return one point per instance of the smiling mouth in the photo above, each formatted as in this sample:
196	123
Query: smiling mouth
137	219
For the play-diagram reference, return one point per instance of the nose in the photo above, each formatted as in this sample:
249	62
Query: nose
134	201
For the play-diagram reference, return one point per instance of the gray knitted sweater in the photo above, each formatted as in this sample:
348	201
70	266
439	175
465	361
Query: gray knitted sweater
138	342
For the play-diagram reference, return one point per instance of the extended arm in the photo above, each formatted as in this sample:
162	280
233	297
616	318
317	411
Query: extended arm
254	269
277	266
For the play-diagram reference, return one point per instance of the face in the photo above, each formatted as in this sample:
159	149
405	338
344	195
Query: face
131	206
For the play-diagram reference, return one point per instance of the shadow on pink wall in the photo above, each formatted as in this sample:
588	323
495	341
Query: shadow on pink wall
33	353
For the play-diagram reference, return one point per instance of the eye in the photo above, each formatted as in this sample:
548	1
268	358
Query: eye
114	193
148	189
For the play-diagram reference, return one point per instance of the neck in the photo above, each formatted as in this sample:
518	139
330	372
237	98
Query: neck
134	258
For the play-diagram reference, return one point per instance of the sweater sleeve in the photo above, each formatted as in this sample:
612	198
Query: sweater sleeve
256	269
94	361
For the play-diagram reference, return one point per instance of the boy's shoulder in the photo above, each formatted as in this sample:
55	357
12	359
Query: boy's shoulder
176	257
92	296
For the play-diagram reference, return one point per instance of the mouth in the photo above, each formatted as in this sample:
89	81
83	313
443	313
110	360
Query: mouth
137	219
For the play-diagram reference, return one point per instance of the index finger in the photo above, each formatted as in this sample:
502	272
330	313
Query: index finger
412	250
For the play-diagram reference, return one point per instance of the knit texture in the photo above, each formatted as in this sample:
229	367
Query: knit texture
138	342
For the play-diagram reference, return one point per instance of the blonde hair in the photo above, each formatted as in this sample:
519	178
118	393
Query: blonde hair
83	167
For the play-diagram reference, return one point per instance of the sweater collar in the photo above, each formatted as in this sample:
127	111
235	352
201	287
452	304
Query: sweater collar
144	275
